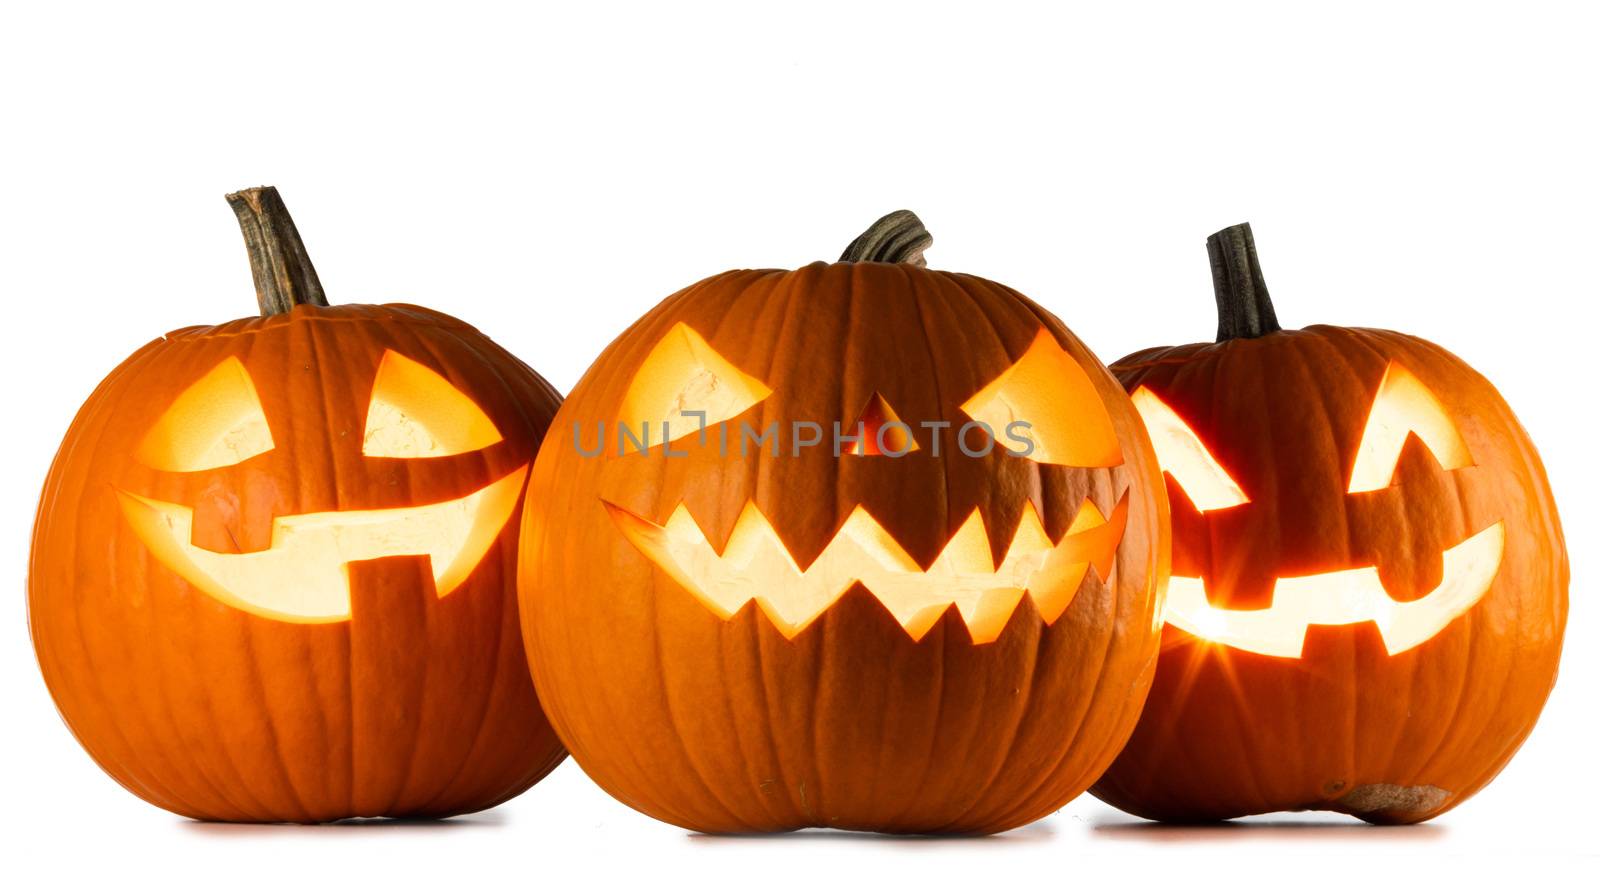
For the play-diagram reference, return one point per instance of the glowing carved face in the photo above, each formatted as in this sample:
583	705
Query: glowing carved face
413	413
683	377
1403	406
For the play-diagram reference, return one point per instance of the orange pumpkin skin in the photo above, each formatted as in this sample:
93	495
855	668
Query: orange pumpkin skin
1346	726
725	724
413	705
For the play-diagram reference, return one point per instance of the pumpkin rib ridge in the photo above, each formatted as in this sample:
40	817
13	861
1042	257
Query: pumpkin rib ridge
1332	352
1355	753
939	391
758	667
674	714
225	757
744	290
398	802
1459	692
1004	756
56	488
1025	801
962	287
312	346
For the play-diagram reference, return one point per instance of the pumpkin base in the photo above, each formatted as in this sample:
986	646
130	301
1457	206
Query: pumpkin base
1386	804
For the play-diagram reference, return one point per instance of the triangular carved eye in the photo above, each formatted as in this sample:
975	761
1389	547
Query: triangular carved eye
1182	454
415	413
683	378
1050	398
214	423
881	431
1403	407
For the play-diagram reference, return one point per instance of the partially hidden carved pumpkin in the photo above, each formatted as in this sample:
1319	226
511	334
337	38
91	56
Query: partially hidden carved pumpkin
1369	578
915	629
273	571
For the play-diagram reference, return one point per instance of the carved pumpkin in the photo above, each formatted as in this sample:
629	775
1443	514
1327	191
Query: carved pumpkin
273	571
1369	579
827	595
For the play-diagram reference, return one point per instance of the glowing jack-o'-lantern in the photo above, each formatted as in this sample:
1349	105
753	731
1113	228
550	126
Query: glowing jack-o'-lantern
272	576
860	545
1369	577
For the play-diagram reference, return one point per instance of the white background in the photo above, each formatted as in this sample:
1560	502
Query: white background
550	174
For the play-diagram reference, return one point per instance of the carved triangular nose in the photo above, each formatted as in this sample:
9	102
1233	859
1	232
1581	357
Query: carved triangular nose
881	431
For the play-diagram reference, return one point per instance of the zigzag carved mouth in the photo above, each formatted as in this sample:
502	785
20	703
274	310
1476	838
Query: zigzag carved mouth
755	565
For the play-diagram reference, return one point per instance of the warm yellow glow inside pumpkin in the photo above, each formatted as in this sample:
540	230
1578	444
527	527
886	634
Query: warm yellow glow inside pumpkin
683	374
1343	597
301	577
1402	407
876	425
216	422
1182	454
755	565
415	413
1049	390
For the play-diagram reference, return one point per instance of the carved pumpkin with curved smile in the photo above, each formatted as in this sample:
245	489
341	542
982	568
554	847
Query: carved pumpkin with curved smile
272	576
1402	407
1369	576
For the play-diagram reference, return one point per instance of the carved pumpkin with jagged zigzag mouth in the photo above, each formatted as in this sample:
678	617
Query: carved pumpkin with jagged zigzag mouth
792	634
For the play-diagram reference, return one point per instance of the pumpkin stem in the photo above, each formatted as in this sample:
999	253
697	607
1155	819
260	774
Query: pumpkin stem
1244	310
897	237
282	271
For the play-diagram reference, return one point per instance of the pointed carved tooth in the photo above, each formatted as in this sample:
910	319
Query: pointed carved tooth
788	625
784	589
1055	587
920	622
909	608
681	528
754	539
873	539
1110	537
1097	543
986	616
1089	516
647	537
1030	538
968	551
672	548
